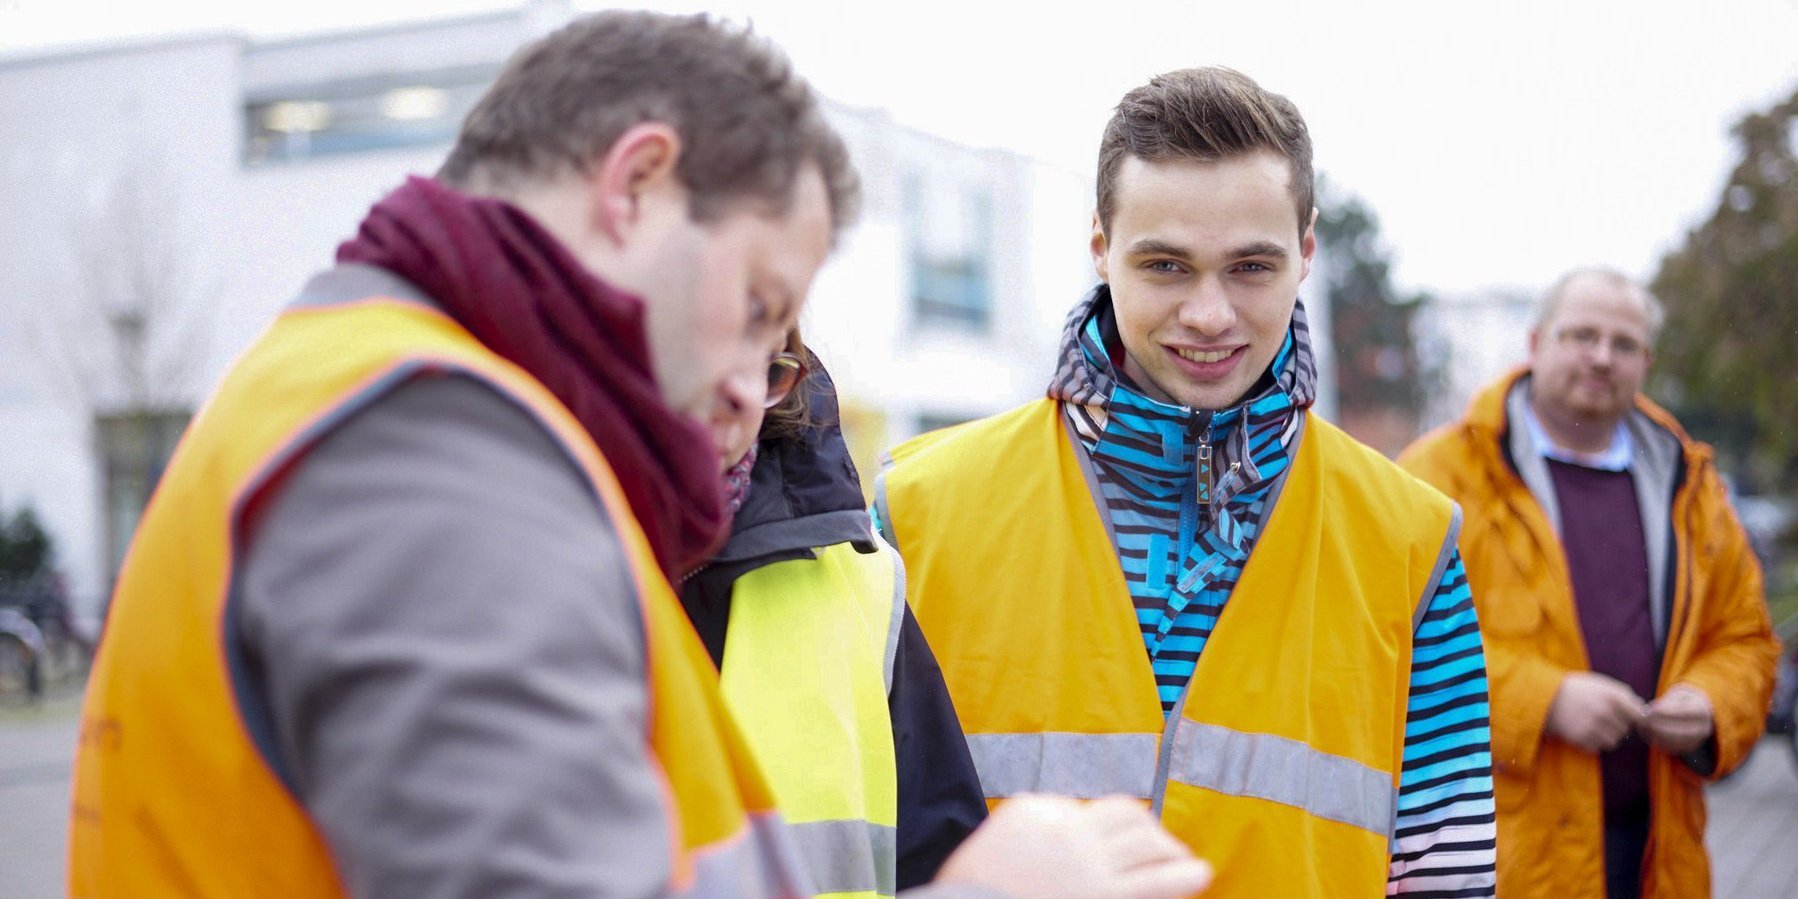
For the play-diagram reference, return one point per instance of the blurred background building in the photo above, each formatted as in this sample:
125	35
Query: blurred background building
163	200
1470	338
181	191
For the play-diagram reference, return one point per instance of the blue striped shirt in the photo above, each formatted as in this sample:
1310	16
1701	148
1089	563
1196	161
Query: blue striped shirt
1182	559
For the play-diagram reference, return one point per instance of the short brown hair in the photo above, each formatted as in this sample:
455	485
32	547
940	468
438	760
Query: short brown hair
1204	114
747	122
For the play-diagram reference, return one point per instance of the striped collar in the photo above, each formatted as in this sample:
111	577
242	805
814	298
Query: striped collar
1106	409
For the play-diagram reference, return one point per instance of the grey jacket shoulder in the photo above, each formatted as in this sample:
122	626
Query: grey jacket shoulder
440	620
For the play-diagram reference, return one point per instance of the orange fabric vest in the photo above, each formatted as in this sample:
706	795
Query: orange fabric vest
173	798
1281	765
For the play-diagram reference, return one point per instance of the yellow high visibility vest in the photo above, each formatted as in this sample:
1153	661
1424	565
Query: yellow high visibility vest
1281	765
807	670
172	795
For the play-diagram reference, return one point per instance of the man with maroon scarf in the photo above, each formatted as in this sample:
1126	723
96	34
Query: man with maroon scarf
1625	626
434	636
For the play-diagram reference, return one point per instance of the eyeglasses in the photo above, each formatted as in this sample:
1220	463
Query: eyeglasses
785	371
1588	339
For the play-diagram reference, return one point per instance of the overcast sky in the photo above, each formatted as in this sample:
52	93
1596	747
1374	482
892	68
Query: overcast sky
1500	143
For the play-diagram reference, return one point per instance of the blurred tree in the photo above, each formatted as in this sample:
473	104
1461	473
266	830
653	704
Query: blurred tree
125	337
1381	380
1726	363
26	553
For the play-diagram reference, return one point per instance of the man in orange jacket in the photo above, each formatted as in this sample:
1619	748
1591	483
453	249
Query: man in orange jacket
1626	632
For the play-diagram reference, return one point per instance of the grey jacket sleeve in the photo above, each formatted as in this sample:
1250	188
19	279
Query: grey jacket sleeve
439	618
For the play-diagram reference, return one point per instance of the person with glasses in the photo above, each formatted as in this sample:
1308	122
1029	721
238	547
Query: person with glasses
400	622
821	662
1626	631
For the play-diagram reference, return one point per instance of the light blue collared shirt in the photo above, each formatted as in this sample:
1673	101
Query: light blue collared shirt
1616	457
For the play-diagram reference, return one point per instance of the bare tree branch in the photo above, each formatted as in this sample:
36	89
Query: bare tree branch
119	332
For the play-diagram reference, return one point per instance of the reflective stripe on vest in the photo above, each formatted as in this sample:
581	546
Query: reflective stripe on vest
759	862
1286	771
1282	761
1237	764
849	857
1086	766
807	667
896	618
148	801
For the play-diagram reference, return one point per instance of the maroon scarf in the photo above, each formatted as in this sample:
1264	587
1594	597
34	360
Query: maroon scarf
521	293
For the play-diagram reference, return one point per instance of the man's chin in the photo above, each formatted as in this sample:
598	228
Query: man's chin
1211	398
1599	411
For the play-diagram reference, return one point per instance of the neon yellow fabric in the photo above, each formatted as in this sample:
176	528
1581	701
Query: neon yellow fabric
1282	764
805	673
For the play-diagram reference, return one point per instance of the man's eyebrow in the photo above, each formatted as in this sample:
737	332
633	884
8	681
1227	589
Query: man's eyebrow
1259	248
1152	246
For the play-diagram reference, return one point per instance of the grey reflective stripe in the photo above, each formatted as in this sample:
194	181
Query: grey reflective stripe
1278	769
1165	758
897	619
762	860
883	516
1443	557
848	856
1080	765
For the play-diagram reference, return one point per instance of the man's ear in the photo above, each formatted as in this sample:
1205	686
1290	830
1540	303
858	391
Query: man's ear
638	169
1308	245
1100	246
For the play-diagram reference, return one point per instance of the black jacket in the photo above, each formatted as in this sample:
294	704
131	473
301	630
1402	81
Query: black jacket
804	493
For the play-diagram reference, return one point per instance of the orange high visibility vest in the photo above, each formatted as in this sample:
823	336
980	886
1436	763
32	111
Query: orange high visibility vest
1281	765
172	795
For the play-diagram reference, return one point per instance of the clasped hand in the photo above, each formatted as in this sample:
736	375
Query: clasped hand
1595	712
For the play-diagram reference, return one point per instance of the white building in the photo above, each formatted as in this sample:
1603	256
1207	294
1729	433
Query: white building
1473	337
159	203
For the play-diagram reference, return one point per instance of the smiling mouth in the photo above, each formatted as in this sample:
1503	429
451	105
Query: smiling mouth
1203	355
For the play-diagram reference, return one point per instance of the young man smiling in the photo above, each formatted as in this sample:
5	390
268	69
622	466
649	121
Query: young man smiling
397	622
1169	579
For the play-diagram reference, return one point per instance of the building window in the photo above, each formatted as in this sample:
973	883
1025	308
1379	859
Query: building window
134	449
949	252
357	117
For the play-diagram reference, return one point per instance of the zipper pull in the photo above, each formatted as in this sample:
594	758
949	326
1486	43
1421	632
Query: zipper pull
1203	486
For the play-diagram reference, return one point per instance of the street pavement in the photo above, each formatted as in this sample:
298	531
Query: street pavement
1752	835
1753	832
36	746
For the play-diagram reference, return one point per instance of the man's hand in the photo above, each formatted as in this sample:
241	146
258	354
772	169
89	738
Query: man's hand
1594	712
1052	847
1680	720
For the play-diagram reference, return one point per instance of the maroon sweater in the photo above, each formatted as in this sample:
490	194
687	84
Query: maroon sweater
1607	555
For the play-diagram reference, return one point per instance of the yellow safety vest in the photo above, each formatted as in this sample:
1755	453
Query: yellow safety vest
172	795
807	670
1281	765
